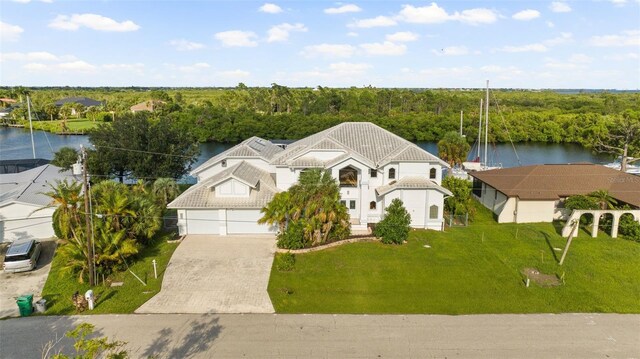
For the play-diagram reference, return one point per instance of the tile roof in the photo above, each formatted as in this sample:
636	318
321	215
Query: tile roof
412	182
202	195
551	182
249	148
371	142
148	105
29	186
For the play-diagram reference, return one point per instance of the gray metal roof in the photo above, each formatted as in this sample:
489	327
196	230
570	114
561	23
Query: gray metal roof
412	182
249	148
29	186
371	142
202	195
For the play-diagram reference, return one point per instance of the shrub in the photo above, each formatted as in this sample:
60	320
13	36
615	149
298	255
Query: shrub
629	228
395	227
285	262
293	237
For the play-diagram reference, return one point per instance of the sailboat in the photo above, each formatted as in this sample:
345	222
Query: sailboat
482	163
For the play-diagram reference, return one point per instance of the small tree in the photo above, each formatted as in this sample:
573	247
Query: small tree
460	202
65	157
395	227
86	347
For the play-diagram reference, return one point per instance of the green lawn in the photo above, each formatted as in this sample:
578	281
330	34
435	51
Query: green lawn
61	285
74	125
467	270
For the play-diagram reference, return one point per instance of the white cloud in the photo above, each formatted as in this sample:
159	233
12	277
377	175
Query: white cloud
270	8
186	45
281	32
343	9
432	14
402	36
565	37
349	68
618	2
234	73
525	48
91	21
34	67
28	1
476	16
77	66
623	57
580	59
10	32
352	34
452	51
558	6
195	67
379	21
29	56
328	50
386	48
550	24
625	38
237	38
526	15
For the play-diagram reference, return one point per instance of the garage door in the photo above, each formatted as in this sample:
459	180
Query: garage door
203	222
245	221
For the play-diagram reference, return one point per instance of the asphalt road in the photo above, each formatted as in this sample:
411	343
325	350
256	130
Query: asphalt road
341	336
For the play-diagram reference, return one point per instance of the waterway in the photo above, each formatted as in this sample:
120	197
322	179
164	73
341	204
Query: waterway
15	143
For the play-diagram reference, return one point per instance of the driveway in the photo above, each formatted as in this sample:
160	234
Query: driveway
16	284
216	274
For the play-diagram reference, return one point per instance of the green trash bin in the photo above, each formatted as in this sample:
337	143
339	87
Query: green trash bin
25	304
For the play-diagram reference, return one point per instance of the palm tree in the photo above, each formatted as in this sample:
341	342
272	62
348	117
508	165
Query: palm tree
112	202
66	198
603	198
453	148
278	212
165	190
75	254
112	248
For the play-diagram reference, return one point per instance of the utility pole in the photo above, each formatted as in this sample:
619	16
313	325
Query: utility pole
87	214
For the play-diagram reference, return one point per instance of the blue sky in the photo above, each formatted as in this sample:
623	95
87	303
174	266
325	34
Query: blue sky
523	44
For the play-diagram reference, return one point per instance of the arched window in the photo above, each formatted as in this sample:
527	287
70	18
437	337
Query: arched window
348	177
433	212
432	173
392	173
372	205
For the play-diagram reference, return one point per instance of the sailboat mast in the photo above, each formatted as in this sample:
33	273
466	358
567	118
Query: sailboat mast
33	145
480	132
486	129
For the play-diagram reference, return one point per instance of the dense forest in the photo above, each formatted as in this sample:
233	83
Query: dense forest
279	112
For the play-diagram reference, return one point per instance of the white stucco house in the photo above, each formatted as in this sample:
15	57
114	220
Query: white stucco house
22	200
372	165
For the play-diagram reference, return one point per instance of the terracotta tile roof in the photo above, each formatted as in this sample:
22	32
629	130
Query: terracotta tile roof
551	182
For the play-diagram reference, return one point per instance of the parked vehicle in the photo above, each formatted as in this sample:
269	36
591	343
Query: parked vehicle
22	256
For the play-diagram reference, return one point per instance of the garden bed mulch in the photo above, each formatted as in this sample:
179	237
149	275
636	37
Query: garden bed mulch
329	245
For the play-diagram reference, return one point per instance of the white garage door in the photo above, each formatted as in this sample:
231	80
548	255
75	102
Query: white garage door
203	221
245	221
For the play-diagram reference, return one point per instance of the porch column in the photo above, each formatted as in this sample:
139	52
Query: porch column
596	222
364	202
614	227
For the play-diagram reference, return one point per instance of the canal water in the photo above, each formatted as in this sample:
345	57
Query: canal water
15	143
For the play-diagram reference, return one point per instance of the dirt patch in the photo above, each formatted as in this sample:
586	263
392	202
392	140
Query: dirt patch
541	279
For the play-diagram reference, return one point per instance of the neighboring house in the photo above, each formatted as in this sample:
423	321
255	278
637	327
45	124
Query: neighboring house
6	102
22	199
537	193
372	165
6	112
150	106
84	101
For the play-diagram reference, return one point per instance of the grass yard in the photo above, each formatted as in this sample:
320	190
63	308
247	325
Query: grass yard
74	125
61	285
477	269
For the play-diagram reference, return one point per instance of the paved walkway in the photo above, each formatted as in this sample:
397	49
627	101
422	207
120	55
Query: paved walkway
341	336
216	274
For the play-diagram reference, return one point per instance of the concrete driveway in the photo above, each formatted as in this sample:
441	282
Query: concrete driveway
216	274
16	284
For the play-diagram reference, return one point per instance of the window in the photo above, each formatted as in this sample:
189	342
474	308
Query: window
477	188
433	212
372	205
223	163
432	173
348	177
344	203
352	204
373	173
392	173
